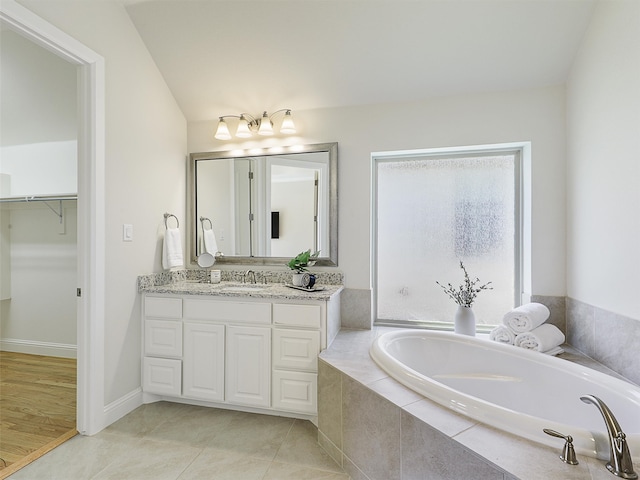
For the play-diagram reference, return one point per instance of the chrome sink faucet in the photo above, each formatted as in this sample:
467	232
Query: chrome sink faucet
253	275
620	463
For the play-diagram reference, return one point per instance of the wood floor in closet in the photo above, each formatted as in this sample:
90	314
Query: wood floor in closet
37	406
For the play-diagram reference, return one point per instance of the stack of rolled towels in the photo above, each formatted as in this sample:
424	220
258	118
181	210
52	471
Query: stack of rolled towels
525	327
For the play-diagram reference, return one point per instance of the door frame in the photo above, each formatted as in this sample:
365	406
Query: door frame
90	415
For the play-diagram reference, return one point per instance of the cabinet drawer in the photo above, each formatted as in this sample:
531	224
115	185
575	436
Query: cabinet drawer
163	307
297	315
295	391
233	312
163	338
297	349
162	376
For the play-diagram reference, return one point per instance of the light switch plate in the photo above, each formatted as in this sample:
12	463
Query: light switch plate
127	232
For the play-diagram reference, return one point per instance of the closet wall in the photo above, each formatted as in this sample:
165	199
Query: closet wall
38	240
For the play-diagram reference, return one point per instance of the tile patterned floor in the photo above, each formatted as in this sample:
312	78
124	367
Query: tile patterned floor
170	441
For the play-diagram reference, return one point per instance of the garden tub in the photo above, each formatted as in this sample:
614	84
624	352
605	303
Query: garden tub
510	388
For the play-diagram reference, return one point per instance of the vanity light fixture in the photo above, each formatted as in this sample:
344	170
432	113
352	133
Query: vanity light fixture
248	125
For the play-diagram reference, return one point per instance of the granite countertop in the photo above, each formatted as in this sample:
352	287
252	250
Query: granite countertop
244	290
196	282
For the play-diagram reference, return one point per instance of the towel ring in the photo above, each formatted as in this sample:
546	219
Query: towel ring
203	219
166	216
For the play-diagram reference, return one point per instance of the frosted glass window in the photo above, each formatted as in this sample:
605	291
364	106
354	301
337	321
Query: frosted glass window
430	214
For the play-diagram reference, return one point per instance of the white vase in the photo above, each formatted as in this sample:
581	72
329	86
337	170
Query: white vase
296	279
465	321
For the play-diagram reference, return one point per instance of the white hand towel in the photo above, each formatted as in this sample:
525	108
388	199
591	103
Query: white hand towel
503	334
526	317
210	245
541	339
172	249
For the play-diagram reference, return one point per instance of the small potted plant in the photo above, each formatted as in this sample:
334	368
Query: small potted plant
299	265
464	296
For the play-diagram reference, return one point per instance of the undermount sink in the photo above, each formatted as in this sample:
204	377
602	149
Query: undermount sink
243	288
230	286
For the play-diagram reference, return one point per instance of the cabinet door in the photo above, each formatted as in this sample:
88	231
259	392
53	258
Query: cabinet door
162	376
296	349
248	366
203	361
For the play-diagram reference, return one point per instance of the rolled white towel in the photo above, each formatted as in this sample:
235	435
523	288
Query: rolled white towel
554	351
503	334
172	249
209	242
541	339
526	317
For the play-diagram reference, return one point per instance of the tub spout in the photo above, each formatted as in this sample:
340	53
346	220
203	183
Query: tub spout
620	463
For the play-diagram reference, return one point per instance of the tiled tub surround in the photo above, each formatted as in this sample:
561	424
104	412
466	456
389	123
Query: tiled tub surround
378	429
557	309
609	338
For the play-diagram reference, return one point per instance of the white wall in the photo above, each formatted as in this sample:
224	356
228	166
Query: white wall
5	261
30	114
296	216
46	168
40	316
145	169
215	187
603	171
532	115
38	118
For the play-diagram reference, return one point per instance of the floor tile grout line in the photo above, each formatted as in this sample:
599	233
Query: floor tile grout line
190	463
310	467
305	465
284	439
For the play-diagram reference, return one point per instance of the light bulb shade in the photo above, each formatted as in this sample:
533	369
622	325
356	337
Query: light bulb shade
287	124
222	133
266	128
243	130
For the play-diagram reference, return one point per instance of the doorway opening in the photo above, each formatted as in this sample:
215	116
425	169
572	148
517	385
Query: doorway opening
89	271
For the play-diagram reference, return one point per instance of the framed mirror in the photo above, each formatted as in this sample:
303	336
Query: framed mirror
263	206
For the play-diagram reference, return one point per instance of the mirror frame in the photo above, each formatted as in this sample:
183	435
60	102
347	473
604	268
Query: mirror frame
192	223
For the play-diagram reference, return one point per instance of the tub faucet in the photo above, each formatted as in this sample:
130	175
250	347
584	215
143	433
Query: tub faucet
620	463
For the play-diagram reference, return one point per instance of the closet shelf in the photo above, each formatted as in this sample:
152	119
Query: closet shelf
45	199
39	198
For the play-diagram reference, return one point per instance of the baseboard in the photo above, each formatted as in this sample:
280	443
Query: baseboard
119	408
34	347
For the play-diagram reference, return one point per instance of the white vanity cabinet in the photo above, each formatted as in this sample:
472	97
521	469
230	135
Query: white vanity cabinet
257	354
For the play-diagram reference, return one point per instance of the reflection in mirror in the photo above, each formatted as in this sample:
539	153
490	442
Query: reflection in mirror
264	208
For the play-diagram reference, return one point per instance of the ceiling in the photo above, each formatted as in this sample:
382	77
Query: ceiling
223	57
